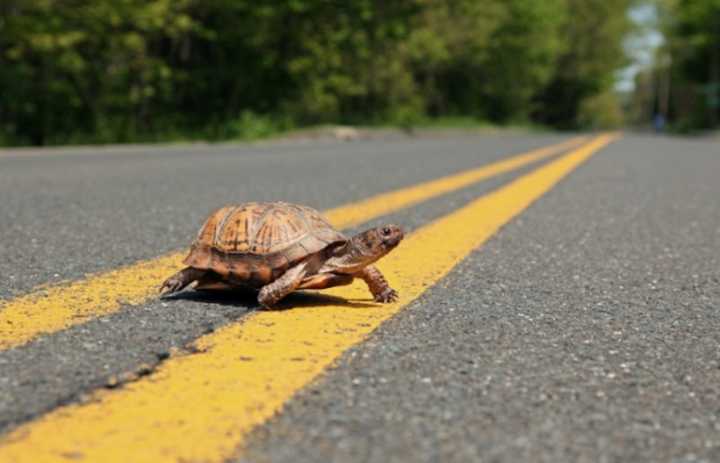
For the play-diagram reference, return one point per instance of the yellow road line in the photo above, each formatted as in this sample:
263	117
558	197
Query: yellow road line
386	203
200	407
57	307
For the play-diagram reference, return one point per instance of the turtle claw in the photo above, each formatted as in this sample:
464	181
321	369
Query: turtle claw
388	295
180	280
171	285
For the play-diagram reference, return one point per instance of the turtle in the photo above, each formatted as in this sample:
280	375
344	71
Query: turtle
279	247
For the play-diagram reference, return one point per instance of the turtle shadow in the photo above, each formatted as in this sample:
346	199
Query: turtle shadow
233	298
247	299
301	299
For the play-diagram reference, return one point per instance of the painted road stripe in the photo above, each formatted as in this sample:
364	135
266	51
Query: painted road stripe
387	203
57	307
200	407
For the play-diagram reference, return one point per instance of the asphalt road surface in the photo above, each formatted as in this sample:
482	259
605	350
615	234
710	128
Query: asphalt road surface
585	329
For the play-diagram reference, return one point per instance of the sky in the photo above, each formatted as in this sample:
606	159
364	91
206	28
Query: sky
639	46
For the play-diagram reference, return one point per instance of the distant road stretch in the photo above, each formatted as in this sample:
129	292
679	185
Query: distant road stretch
558	302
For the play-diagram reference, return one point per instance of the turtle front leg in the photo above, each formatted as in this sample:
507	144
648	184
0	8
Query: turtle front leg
379	287
180	280
271	293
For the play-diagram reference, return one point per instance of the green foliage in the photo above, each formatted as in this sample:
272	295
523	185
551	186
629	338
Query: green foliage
132	70
522	56
251	126
86	66
692	30
592	35
601	112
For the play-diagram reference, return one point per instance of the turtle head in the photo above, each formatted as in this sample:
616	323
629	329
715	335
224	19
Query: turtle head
379	241
365	248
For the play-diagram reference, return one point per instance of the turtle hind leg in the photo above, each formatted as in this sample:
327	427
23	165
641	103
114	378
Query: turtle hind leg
180	280
211	281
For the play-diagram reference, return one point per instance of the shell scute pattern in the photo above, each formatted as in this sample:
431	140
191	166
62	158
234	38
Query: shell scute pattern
320	228
258	229
257	242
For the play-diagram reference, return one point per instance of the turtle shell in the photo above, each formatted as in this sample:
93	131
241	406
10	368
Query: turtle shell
254	243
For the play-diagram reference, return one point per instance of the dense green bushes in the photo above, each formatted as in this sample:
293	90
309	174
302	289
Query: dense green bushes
128	70
688	68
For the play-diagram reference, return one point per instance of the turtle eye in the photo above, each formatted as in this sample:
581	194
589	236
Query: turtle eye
386	231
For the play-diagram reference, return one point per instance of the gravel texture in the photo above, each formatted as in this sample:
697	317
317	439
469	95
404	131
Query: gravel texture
65	366
586	330
65	214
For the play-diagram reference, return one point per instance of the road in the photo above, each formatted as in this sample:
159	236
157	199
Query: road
559	303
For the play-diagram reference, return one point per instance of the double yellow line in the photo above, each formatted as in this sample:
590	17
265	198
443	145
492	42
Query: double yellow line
54	308
200	407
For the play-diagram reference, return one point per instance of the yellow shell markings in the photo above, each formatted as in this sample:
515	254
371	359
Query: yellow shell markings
200	407
53	308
